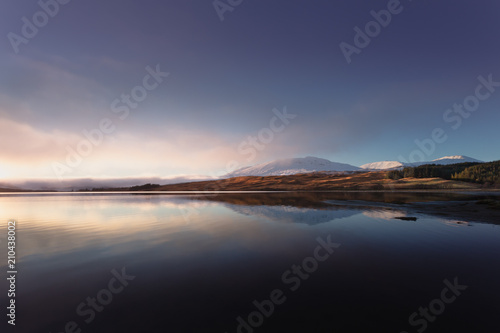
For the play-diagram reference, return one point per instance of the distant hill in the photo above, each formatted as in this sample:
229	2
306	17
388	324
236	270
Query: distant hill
292	166
446	160
454	159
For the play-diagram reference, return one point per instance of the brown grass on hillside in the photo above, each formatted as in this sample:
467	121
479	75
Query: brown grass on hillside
319	182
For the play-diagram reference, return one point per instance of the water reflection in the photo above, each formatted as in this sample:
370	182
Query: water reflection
290	214
201	260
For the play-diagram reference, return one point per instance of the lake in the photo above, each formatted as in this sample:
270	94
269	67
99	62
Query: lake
247	262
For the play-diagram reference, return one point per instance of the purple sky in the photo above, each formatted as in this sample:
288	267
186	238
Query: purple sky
100	67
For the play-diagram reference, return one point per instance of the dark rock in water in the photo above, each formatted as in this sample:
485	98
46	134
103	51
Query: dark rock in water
406	218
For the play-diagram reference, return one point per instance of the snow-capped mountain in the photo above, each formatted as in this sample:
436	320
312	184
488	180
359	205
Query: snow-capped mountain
387	165
292	166
384	165
455	159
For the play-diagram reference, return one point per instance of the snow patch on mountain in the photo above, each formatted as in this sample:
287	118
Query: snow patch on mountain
446	160
455	159
291	166
384	165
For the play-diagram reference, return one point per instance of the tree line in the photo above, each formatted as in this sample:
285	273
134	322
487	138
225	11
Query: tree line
482	173
472	172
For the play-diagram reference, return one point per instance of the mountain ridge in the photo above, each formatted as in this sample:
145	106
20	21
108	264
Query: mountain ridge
291	166
445	160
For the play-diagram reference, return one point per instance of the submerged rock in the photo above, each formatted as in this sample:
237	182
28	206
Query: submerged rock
406	218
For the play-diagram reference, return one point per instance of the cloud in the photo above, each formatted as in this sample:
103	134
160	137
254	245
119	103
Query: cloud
22	143
127	153
55	91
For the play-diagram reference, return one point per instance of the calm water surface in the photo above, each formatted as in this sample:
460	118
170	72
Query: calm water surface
212	263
